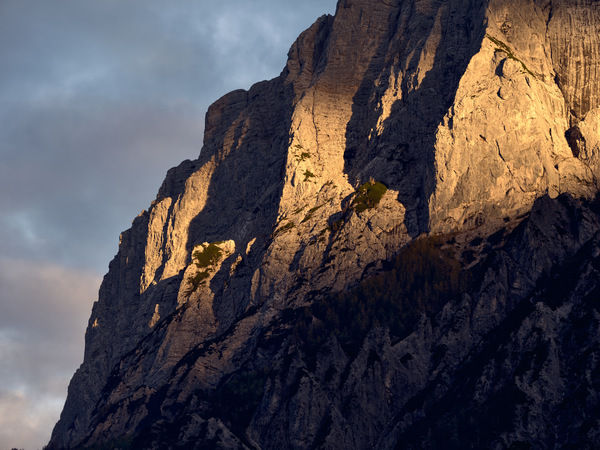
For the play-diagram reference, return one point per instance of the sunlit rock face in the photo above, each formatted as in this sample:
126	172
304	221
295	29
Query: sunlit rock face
477	120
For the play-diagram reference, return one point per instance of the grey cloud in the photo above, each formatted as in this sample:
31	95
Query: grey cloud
81	174
24	420
144	48
40	296
44	313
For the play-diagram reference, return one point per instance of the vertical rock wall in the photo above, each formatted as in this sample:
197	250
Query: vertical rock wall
467	111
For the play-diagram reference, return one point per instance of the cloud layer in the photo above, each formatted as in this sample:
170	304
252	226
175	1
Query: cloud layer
44	313
97	101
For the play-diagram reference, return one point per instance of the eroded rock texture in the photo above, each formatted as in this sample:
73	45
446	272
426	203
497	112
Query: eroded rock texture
474	121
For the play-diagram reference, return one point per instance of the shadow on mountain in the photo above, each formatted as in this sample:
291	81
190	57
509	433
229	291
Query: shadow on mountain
401	153
245	186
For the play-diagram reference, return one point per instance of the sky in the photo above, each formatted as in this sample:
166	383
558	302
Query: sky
98	99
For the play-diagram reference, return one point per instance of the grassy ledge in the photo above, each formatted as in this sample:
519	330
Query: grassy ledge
502	47
205	259
308	175
368	196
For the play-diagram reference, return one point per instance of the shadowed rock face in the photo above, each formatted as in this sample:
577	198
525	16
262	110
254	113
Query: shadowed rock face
482	120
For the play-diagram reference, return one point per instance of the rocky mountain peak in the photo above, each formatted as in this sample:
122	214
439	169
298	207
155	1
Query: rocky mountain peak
456	135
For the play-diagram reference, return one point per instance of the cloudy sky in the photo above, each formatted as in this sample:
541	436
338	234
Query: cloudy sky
97	100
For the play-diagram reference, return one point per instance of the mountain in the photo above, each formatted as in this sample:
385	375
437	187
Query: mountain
394	244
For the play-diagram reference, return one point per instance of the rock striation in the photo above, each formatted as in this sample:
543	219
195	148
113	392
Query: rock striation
397	126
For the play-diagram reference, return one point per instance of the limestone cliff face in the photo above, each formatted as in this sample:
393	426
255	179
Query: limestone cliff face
467	112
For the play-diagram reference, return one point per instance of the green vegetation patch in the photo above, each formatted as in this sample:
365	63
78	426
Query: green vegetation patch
368	196
209	256
302	156
204	259
502	47
310	213
287	227
197	280
308	175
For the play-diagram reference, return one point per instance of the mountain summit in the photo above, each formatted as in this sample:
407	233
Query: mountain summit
393	244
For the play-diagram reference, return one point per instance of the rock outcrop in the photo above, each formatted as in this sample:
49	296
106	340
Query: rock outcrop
474	123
